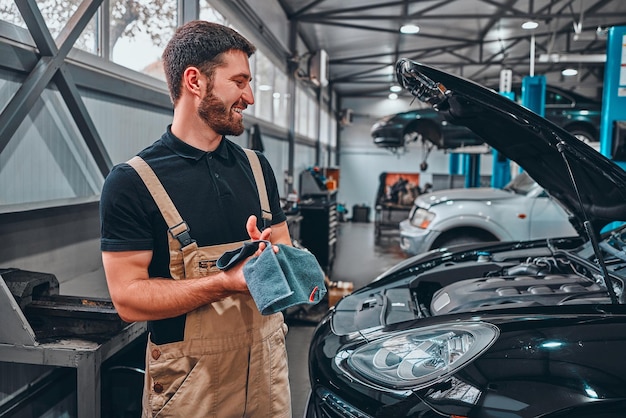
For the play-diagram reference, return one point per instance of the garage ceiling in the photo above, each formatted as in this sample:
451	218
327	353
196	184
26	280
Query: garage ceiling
472	38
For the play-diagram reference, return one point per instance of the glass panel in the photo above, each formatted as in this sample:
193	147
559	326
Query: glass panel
88	40
301	112
10	13
333	132
208	13
324	139
312	112
56	15
280	99
139	32
263	87
47	159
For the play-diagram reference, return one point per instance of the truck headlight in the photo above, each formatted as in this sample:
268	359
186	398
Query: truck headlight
421	218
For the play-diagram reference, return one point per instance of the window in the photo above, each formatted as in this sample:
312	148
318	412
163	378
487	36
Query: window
10	13
56	15
555	98
139	31
263	87
280	99
301	111
312	127
208	13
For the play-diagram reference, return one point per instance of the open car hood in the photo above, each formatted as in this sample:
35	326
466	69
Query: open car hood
550	155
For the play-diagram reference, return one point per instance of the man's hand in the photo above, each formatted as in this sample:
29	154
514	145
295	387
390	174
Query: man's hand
256	234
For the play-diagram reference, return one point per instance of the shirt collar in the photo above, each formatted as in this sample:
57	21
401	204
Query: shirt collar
185	150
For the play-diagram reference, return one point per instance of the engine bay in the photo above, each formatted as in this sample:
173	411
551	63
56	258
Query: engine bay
545	280
482	282
535	282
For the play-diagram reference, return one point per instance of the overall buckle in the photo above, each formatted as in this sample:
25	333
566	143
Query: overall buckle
183	237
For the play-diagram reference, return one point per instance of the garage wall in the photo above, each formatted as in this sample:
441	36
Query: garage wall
362	162
50	186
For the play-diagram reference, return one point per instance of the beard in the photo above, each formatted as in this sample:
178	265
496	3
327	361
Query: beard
214	113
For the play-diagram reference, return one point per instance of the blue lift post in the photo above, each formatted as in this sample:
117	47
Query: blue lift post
471	167
534	94
533	98
613	122
501	166
467	164
453	164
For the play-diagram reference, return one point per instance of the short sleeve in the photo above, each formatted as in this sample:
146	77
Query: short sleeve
125	213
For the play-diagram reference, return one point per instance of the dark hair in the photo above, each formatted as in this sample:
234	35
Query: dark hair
199	44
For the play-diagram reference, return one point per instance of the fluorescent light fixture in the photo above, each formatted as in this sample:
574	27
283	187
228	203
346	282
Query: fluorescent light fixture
572	57
568	72
395	88
531	24
409	28
392	96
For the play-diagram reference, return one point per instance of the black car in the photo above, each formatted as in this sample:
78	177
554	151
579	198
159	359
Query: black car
575	113
511	329
395	131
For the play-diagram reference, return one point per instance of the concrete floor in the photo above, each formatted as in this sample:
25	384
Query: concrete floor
359	259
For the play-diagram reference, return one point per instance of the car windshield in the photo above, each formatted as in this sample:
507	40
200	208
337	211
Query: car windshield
521	184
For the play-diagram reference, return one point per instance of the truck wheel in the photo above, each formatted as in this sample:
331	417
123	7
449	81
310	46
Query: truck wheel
463	238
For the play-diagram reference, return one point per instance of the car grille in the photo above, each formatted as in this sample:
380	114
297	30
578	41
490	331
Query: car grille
330	405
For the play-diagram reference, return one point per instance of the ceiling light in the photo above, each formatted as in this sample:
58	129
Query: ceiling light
576	58
531	24
409	28
265	87
392	96
569	72
395	88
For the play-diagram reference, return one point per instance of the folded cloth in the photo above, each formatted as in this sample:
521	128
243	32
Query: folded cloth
278	281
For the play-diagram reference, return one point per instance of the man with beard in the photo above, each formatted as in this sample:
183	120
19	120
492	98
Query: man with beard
166	217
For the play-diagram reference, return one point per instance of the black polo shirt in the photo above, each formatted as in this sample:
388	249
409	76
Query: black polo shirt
214	192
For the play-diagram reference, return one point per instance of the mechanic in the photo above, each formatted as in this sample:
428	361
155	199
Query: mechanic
166	217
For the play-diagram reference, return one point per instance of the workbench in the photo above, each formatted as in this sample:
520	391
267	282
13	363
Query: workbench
85	350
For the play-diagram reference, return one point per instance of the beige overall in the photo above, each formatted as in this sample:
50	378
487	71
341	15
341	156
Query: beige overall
232	361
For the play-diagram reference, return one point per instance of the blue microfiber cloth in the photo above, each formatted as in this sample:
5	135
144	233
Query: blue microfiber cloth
280	280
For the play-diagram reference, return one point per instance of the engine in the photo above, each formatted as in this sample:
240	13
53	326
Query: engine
535	282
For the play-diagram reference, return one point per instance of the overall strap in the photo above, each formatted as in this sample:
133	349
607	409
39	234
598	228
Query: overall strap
177	227
260	185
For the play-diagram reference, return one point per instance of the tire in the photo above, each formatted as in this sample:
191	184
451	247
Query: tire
411	136
583	134
462	238
423	130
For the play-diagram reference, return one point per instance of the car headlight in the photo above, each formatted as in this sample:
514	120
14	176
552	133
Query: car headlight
416	358
422	218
